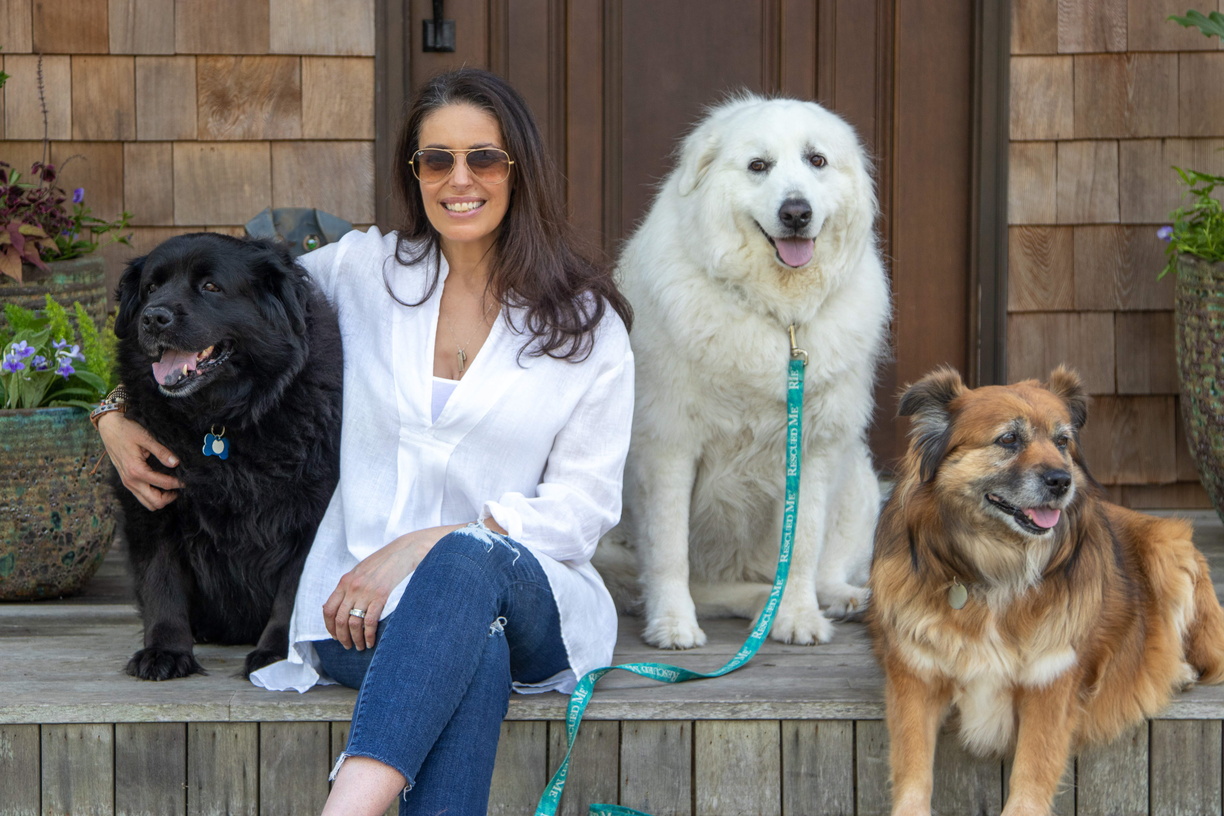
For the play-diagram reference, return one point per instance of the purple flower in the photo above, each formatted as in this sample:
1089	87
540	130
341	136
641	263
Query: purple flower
65	370
62	352
78	195
39	363
1165	234
21	350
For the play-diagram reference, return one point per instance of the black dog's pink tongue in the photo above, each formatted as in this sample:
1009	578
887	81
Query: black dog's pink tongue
174	365
795	252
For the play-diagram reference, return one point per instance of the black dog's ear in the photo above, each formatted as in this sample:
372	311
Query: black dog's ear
1067	386
284	285
927	402
127	295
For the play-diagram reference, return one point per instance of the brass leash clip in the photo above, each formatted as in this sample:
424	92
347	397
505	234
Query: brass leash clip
796	352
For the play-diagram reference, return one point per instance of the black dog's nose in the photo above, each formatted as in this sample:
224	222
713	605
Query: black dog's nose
157	317
1057	481
795	213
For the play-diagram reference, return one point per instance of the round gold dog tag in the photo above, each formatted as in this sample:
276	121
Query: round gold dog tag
958	596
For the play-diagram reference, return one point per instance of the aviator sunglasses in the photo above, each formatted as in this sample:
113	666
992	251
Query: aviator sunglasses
489	165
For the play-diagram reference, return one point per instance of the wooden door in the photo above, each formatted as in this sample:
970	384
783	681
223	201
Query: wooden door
615	83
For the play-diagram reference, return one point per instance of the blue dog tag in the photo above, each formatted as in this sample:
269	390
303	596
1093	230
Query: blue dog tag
216	446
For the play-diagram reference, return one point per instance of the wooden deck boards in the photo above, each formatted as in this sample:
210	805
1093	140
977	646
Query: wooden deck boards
797	731
63	663
82	644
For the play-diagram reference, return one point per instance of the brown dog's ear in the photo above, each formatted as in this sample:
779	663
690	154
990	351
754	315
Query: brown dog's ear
1067	386
927	402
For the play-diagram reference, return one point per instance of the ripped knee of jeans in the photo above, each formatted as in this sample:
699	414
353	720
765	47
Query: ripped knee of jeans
478	530
498	626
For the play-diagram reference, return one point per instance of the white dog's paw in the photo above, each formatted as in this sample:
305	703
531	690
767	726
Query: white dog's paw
845	602
674	631
803	624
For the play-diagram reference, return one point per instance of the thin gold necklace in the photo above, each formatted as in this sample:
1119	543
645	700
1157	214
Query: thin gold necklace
461	350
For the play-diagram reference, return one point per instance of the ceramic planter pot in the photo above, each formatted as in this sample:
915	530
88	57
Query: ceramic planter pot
82	279
1200	367
57	520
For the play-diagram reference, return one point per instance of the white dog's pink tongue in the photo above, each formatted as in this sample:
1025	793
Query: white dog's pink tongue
1043	517
795	252
169	369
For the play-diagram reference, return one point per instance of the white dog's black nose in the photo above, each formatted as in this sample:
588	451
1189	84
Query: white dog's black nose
795	213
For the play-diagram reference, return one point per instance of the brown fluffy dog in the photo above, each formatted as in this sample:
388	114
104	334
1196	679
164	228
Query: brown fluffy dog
1076	619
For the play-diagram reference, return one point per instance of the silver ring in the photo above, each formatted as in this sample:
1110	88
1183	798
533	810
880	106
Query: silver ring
357	613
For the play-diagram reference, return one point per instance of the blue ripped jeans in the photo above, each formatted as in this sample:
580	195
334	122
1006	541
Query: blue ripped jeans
478	612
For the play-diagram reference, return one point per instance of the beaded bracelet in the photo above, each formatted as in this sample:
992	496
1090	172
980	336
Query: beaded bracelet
116	400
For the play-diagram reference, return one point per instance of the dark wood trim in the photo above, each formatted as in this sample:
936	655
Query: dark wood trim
771	50
584	156
826	52
988	236
392	58
885	49
499	38
613	30
932	170
558	31
887	439
798	31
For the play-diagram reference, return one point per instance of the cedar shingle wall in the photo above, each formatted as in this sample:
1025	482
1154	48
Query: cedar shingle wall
195	114
1105	97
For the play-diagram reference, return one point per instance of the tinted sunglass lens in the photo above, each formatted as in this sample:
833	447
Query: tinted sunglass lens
434	164
487	162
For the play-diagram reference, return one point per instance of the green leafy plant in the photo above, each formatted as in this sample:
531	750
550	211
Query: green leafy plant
1198	225
1211	24
48	362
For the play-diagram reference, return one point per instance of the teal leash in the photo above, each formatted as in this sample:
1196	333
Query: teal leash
550	800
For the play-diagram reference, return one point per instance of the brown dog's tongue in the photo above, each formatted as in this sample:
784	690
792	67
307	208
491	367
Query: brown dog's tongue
794	252
169	369
1043	517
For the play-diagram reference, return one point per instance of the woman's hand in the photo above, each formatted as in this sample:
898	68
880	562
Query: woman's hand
369	584
129	446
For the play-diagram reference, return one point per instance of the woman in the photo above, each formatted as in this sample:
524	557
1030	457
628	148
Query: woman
488	396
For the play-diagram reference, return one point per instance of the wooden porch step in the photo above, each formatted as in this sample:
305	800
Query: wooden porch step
797	731
63	663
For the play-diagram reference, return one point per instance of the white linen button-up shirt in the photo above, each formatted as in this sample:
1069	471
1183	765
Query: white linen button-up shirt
537	444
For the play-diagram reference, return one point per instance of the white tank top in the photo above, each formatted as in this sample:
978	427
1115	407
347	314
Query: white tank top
442	390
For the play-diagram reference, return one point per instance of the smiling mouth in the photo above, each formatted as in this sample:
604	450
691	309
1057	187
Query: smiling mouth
179	373
1035	520
463	206
794	252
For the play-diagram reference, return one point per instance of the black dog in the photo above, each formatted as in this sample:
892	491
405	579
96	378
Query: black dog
231	358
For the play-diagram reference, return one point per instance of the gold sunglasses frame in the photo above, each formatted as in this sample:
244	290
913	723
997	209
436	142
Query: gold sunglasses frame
455	154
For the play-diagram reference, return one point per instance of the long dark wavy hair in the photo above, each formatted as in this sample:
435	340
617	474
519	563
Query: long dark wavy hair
536	265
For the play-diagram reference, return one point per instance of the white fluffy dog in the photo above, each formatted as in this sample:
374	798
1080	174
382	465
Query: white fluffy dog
767	220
